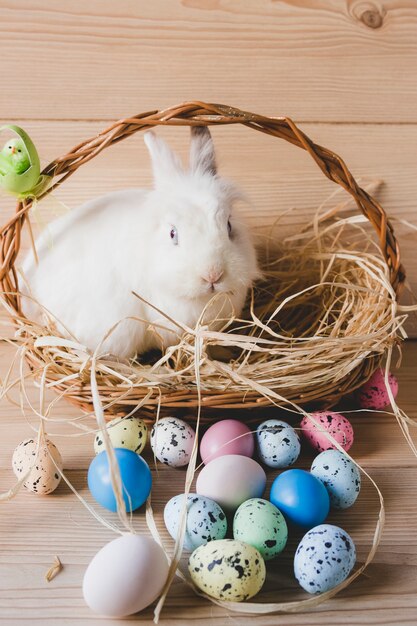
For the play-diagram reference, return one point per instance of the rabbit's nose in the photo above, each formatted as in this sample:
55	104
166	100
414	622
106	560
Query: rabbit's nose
213	276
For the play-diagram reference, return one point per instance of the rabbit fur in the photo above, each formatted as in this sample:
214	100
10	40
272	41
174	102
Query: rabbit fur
178	245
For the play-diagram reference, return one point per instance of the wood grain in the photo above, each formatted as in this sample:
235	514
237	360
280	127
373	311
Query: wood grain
33	529
346	71
313	60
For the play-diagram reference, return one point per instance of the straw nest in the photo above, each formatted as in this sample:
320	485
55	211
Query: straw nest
315	327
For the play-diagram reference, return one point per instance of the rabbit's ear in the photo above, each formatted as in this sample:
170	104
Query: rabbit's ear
202	156
165	163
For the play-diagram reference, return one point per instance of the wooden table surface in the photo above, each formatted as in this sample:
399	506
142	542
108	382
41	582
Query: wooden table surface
345	71
34	528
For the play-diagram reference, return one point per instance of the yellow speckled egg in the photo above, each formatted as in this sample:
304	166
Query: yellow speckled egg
124	432
227	570
44	477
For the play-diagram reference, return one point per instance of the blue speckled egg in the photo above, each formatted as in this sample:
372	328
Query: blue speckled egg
339	475
206	520
278	444
324	558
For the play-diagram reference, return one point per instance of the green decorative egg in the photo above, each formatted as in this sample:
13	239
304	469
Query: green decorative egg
227	570
20	170
124	432
260	524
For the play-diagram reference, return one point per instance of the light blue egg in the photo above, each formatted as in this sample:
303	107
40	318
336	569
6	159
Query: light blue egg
278	444
324	558
134	473
206	520
339	475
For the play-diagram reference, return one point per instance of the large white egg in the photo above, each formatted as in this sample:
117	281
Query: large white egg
125	576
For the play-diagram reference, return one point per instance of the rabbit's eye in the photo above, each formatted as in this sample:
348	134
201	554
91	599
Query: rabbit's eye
229	228
174	236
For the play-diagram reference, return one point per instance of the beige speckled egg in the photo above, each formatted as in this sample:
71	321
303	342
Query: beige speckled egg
124	432
227	570
44	477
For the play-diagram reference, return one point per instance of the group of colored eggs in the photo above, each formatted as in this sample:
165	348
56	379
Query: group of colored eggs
234	569
230	487
232	484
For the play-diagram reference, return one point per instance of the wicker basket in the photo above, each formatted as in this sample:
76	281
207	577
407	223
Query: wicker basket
195	113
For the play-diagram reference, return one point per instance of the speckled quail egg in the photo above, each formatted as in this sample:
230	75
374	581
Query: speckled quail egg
172	441
260	524
44	477
339	475
124	432
206	520
227	570
278	444
335	424
324	558
373	394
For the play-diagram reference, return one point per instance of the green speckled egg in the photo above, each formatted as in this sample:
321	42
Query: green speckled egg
260	524
227	570
124	432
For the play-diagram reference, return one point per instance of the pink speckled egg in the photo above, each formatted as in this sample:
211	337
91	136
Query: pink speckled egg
226	437
373	394
334	423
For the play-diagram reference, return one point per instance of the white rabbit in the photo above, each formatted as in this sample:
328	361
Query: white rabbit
177	245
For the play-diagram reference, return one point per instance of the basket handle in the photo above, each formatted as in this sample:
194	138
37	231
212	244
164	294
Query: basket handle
201	113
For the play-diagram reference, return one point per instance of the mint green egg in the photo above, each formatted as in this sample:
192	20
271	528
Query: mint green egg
124	432
260	524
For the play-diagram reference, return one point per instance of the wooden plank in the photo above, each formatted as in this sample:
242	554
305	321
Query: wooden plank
314	60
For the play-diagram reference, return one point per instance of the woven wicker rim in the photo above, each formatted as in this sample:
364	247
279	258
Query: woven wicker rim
200	113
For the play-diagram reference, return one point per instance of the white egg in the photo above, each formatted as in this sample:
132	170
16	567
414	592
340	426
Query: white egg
339	475
125	576
124	432
172	441
44	477
206	520
324	558
231	479
278	444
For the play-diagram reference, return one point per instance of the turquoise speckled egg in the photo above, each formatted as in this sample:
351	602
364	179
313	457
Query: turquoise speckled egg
206	520
124	432
260	524
227	570
339	475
